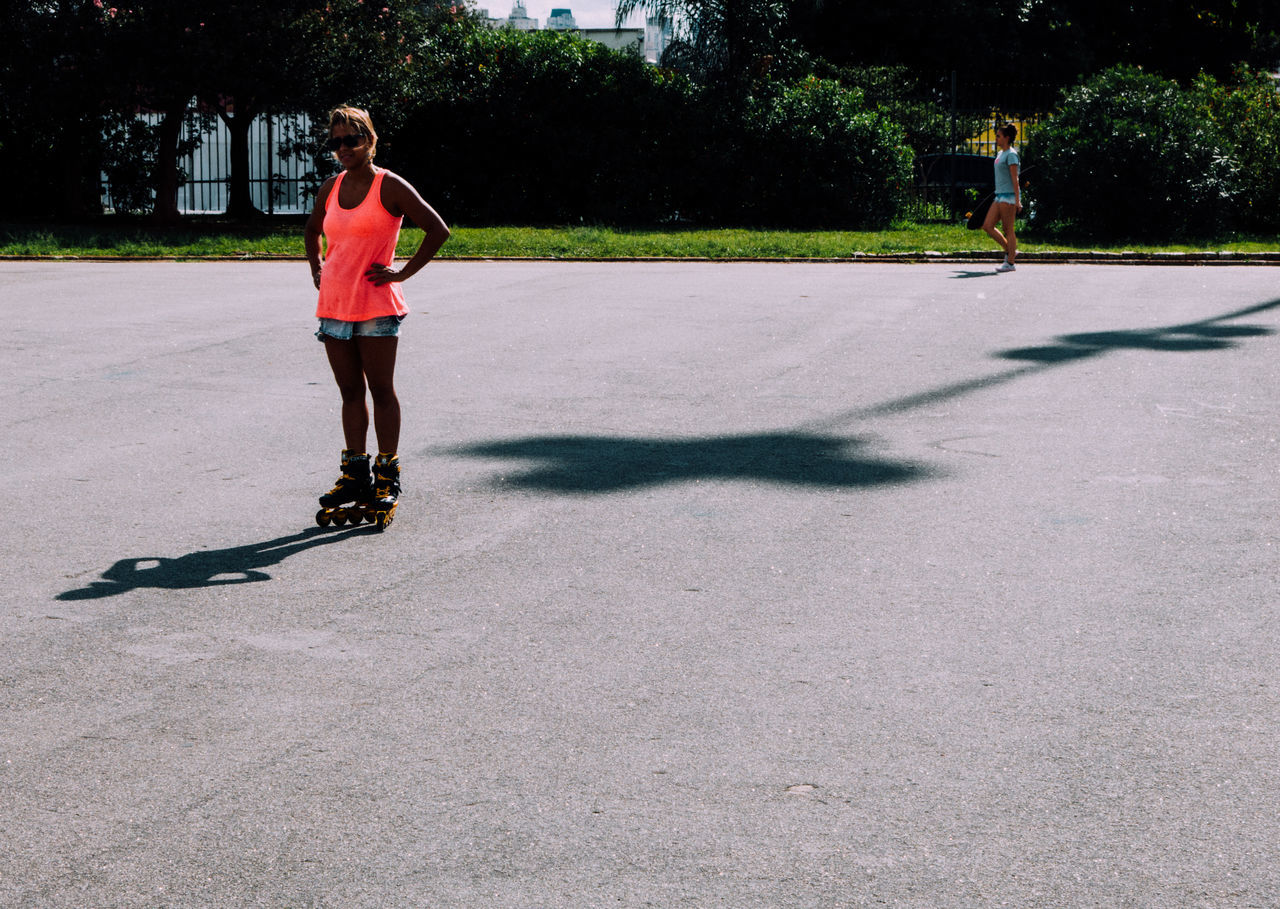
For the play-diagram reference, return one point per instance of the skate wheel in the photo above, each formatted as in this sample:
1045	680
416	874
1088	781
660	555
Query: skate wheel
384	519
323	518
340	519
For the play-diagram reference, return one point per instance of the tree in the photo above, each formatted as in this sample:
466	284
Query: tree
1055	41
723	41
283	56
1178	40
819	155
977	38
1129	135
155	64
52	71
242	58
582	131
1247	110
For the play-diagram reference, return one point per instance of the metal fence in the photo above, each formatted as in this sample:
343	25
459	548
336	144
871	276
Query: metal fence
951	124
1025	106
275	173
946	118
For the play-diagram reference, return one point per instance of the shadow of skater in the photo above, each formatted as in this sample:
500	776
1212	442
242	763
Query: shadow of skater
209	568
594	464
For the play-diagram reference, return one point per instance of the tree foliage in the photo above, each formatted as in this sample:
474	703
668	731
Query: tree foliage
1053	41
816	154
545	126
726	42
1133	155
567	130
99	65
1246	109
54	72
766	111
1176	40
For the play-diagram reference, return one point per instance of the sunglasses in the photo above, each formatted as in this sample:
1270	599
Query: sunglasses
349	141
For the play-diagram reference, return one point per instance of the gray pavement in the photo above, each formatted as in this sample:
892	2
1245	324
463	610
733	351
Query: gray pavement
713	585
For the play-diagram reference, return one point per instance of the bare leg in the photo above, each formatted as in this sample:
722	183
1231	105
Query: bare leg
378	356
989	225
348	372
1008	216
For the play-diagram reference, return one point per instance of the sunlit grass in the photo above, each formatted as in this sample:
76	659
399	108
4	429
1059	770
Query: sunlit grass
203	240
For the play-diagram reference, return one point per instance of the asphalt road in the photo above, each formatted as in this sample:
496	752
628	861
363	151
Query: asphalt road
732	585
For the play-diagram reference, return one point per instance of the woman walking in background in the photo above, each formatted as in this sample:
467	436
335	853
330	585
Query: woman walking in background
1008	198
358	214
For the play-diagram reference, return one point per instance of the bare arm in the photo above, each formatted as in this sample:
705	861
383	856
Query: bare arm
1017	187
315	227
403	200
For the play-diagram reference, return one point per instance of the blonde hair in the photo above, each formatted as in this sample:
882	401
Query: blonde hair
356	119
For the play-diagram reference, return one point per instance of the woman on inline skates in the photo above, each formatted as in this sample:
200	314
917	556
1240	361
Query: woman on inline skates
358	214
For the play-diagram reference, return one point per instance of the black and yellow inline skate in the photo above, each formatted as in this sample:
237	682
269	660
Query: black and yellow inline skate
351	499
386	490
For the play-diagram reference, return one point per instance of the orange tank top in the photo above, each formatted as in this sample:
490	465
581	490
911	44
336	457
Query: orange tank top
356	238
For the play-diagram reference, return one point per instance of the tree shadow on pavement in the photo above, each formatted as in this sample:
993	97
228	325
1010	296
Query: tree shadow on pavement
816	453
1207	334
1189	337
602	464
207	568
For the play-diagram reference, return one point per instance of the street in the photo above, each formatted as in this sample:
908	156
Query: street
738	585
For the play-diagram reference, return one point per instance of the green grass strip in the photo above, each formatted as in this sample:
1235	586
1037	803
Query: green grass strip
219	240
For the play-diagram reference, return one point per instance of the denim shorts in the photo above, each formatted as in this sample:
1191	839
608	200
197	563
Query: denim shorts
381	327
1007	198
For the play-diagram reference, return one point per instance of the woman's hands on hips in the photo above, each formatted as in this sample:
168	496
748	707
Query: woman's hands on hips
378	275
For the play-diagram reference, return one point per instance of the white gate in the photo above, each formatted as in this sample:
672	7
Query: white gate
275	179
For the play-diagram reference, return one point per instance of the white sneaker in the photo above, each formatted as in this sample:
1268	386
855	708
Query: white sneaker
1008	266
